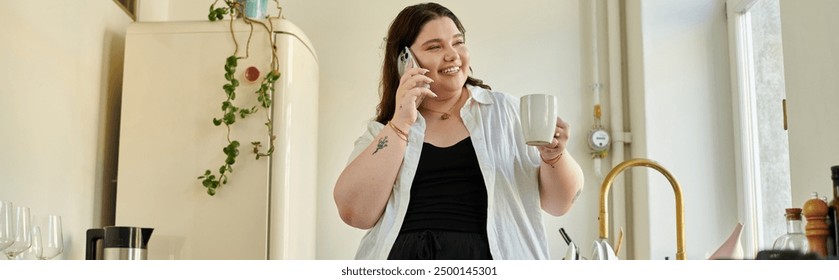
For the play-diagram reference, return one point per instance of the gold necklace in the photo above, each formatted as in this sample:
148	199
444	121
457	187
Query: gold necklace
446	115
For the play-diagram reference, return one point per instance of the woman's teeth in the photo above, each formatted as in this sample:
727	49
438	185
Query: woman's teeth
451	70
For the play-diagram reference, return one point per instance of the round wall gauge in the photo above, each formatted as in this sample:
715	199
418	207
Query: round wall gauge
598	140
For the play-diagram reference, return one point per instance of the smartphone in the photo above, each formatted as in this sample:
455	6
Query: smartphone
406	61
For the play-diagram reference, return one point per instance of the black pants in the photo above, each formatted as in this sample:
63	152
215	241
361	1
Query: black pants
440	245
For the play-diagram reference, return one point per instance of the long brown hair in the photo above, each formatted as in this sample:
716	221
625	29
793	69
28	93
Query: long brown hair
403	32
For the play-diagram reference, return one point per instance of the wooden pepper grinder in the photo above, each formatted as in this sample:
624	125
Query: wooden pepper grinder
816	229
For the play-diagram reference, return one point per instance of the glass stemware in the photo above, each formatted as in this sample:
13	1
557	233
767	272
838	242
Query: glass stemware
7	226
37	248
23	237
54	243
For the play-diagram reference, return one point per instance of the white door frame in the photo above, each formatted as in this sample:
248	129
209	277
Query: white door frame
747	157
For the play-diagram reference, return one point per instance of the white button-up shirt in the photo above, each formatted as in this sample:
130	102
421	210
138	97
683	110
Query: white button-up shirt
510	170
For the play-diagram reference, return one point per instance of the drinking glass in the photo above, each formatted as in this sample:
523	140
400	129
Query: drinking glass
54	243
7	225
23	237
37	248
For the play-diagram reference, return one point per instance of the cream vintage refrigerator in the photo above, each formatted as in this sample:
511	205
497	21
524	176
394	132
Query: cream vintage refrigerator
172	89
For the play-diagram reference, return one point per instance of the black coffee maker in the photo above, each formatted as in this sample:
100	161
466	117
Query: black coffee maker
118	243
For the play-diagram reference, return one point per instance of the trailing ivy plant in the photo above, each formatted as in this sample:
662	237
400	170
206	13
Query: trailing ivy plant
230	112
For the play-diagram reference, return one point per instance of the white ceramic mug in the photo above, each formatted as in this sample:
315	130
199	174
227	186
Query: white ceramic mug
538	118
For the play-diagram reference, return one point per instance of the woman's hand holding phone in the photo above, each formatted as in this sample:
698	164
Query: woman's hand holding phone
413	88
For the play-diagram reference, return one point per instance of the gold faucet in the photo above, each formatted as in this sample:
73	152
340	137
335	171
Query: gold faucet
680	210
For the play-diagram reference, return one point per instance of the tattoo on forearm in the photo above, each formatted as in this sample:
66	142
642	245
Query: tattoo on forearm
577	195
382	144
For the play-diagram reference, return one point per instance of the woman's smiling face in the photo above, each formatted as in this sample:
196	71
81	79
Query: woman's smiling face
441	48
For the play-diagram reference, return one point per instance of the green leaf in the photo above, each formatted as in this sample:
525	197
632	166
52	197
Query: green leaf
272	76
235	82
216	122
232	60
212	16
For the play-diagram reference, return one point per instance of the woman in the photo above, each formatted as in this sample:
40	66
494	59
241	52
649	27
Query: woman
443	171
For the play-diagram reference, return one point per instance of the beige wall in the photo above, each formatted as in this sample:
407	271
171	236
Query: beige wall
811	66
61	75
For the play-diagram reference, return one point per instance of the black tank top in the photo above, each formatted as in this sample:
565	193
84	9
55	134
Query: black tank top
448	192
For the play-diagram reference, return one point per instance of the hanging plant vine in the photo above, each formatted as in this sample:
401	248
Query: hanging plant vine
230	111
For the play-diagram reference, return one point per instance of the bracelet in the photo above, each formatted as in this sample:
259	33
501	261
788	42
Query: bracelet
553	161
399	132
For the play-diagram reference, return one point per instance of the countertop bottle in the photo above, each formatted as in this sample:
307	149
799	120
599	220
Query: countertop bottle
794	239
